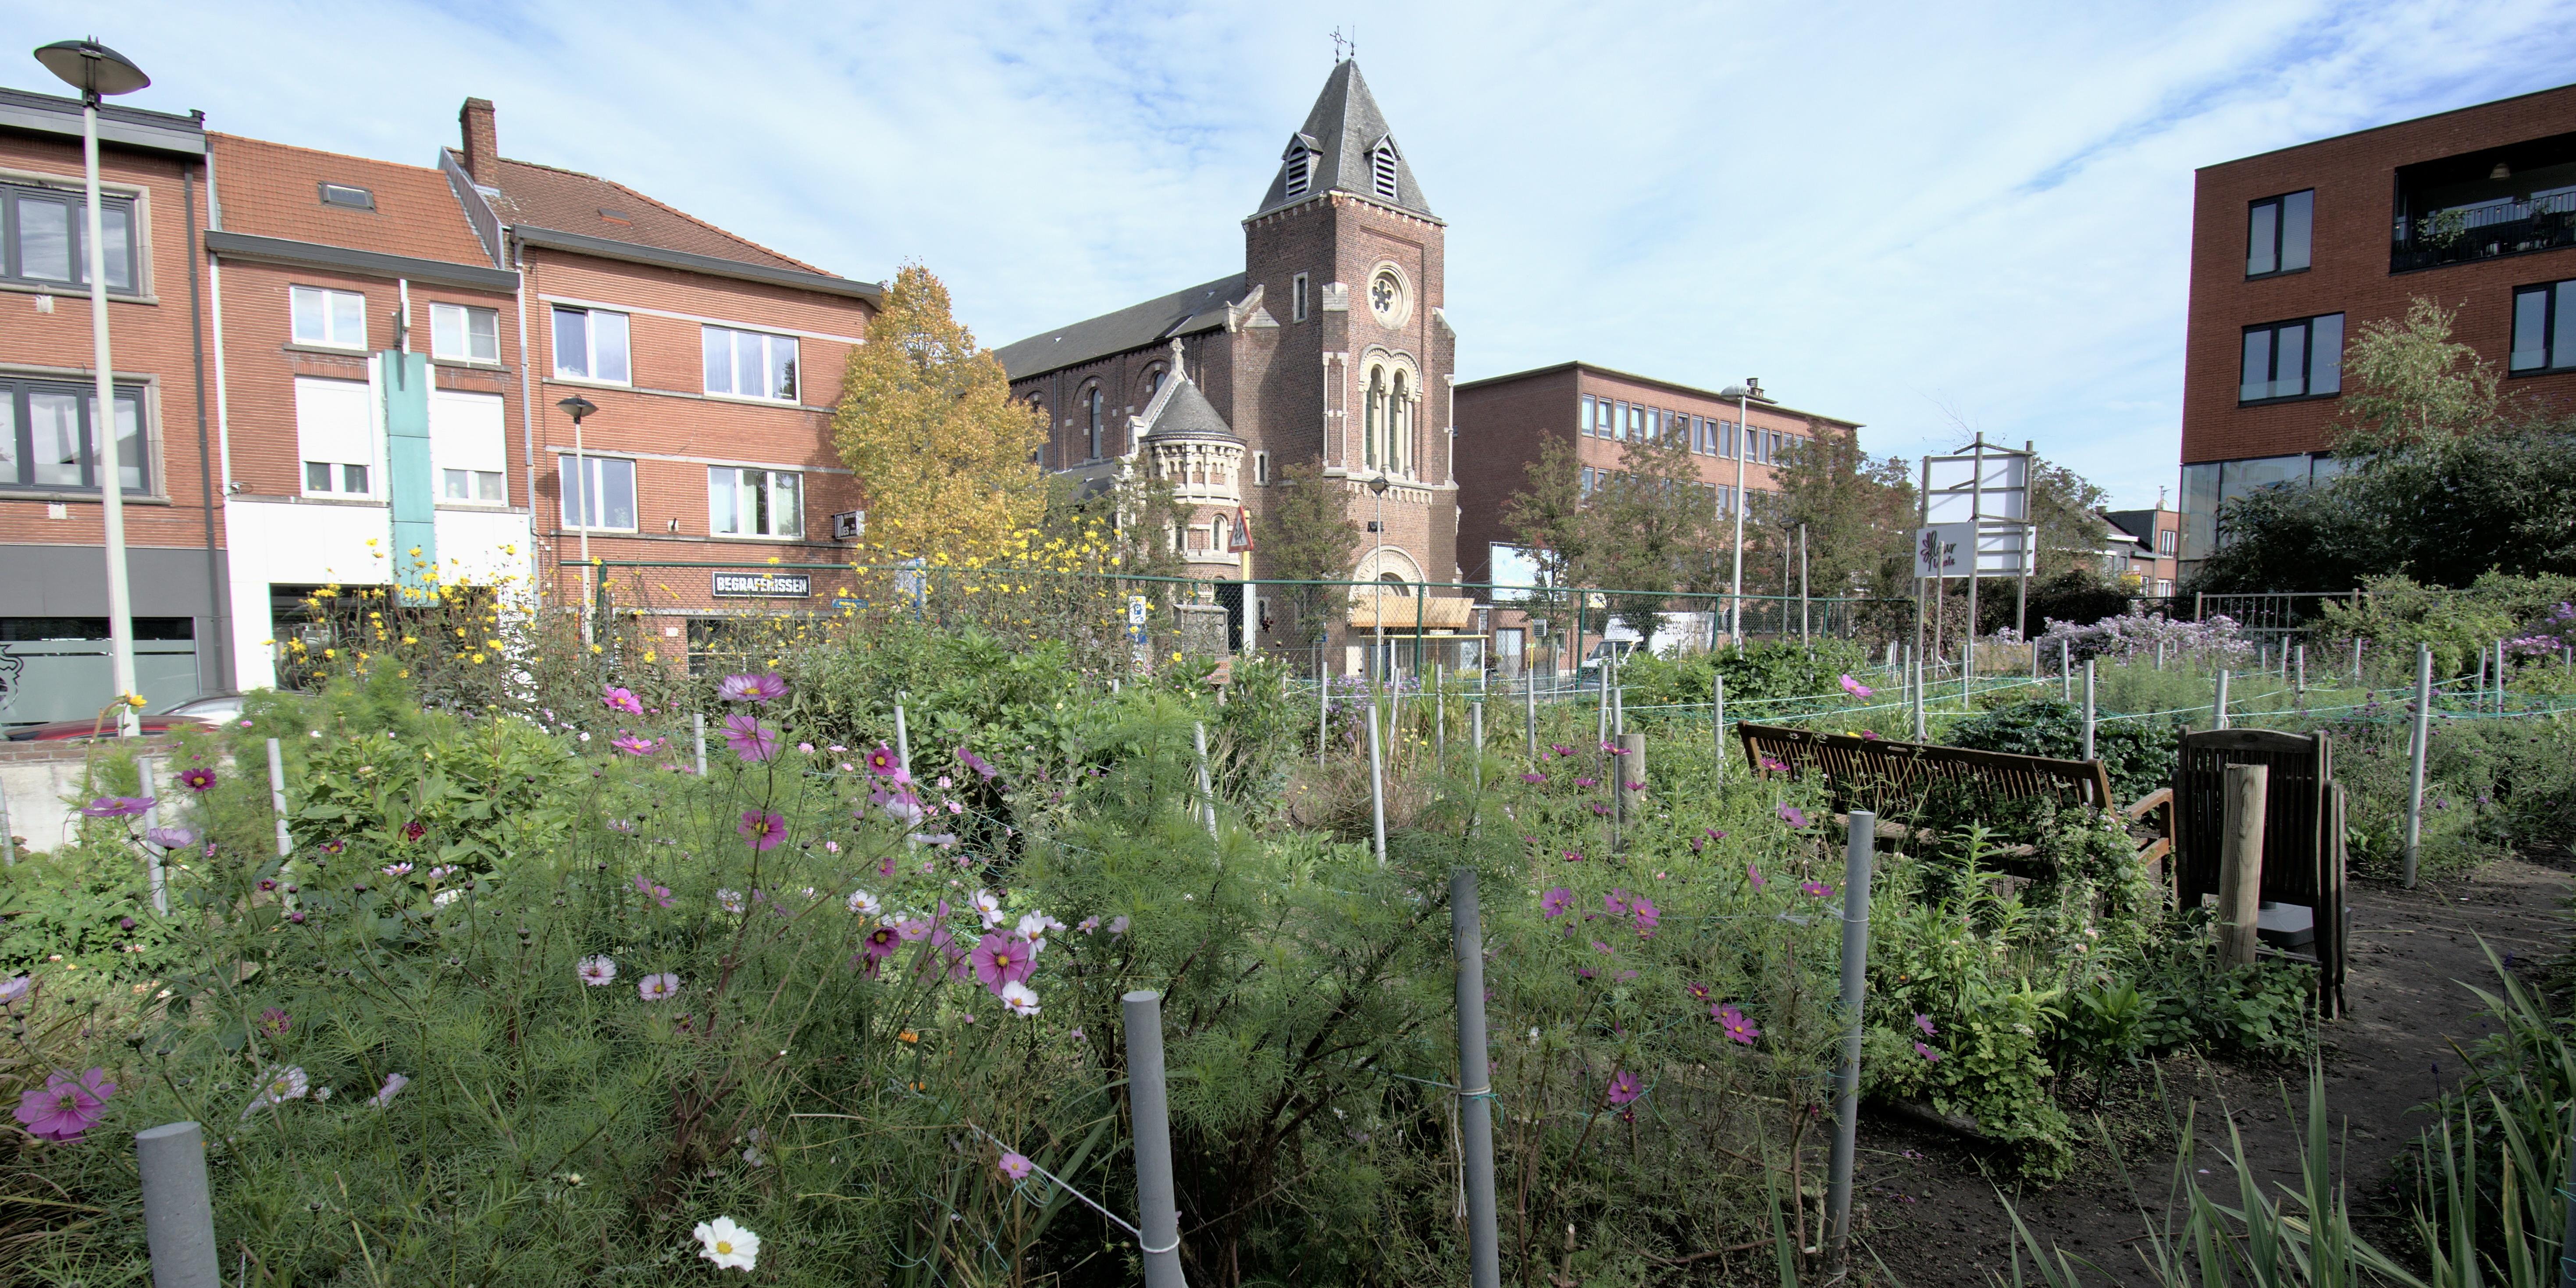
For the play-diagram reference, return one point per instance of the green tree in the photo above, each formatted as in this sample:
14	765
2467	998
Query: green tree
1858	510
1649	528
1546	518
2412	384
1306	534
926	421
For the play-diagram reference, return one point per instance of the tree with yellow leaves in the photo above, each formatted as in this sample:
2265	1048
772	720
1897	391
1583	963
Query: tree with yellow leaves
927	422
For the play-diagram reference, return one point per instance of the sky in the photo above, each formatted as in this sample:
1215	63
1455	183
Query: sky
1932	219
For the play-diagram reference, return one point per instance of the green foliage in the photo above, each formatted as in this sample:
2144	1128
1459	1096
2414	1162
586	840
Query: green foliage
2398	615
2138	752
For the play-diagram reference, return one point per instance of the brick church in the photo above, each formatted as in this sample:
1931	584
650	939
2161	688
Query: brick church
1328	346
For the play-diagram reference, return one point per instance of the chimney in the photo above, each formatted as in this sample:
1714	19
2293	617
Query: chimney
482	141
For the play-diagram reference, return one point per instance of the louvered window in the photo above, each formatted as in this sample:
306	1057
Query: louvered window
1382	166
1301	170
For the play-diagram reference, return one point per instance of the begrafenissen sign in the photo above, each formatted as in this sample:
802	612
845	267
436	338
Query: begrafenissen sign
763	585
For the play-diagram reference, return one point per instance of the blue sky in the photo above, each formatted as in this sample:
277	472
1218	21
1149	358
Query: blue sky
1931	219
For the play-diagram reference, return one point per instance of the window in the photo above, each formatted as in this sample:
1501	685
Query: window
2538	345
463	334
332	319
348	195
1382	168
1387	298
605	499
1297	298
1399	429
1097	427
43	237
2277	233
46	430
748	364
2165	542
1590	478
467	448
1261	469
755	503
590	344
1301	171
335	434
1154	381
1373	417
1583	414
2296	359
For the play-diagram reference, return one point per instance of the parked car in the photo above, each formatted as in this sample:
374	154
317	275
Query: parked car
206	712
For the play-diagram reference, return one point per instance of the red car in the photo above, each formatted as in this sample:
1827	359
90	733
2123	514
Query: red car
206	712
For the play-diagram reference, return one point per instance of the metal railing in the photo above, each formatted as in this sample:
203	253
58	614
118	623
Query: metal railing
2466	233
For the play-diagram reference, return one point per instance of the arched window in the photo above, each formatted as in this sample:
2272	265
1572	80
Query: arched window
1097	428
1154	381
1382	168
1375	431
1399	423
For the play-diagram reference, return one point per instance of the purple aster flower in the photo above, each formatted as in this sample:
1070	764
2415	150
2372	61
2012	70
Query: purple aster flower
1929	1055
1754	875
1624	1088
1924	1022
1534	779
1793	816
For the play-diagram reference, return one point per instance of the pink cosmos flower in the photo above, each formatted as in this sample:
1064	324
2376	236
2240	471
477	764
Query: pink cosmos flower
658	988
1016	1167
65	1106
912	930
1616	902
654	891
117	806
1534	779
1587	782
1574	856
1560	749
1556	902
983	768
752	688
198	779
1754	875
1793	816
1855	687
1118	925
597	971
632	745
881	942
765	832
171	838
1636	787
1929	1055
274	1022
1601	809
1816	889
617	699
1770	765
1002	959
1733	1021
1648	916
750	739
882	762
1624	1088
1924	1022
1698	992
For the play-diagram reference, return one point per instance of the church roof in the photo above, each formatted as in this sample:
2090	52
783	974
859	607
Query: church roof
1186	413
1344	132
1183	312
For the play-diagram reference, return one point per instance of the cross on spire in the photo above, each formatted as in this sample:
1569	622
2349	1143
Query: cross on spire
1344	48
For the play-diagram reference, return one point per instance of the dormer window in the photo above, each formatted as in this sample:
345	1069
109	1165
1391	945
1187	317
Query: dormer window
1382	168
1301	171
349	196
609	216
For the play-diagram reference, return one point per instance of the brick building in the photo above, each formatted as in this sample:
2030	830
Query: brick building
2294	250
2149	545
53	595
1329	347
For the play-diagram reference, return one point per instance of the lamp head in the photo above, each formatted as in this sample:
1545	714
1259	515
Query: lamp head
1379	485
577	407
92	68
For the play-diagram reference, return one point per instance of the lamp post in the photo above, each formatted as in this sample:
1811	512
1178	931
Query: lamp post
1377	604
98	71
578	407
1745	395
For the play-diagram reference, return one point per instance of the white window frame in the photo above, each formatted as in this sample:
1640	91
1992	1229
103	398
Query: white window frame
1297	298
590	345
462	317
574	475
332	334
357	439
769	343
1261	469
786	523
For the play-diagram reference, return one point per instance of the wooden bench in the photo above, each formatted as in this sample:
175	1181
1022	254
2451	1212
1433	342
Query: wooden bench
1890	778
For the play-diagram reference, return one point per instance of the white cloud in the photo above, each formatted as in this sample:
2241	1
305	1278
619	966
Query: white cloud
1890	214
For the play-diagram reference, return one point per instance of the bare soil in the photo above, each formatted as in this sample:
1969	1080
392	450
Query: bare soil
1932	1215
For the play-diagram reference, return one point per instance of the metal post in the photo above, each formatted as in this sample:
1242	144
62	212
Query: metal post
8	839
277	799
1207	788
1627	786
1475	1086
2220	722
698	726
2034	661
2415	759
1158	1214
902	741
2065	672
1476	730
2499	674
2356	661
2299	684
1323	704
1377	787
1717	719
2240	863
2160	655
1805	627
1439	716
1529	712
1917	686
111	473
152	853
2088	710
1858	842
178	1206
1604	701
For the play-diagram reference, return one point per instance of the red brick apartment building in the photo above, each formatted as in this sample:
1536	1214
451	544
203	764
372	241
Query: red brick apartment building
53	595
2149	545
2294	250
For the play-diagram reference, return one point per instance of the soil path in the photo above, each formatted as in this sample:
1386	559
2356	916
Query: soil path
1933	1218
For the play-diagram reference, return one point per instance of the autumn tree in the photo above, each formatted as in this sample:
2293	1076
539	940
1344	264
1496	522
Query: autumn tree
926	421
1306	534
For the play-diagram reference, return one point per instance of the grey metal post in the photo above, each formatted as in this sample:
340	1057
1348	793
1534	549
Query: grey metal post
8	841
1604	701
1529	712
277	799
698	726
2221	705
2088	710
2299	653
1476	730
2160	655
2415	758
152	853
1158	1215
2356	661
178	1206
1717	719
1439	716
2034	661
1207	787
1475	1085
1857	844
2065	672
1323	706
902	741
1917	686
2499	674
1377	787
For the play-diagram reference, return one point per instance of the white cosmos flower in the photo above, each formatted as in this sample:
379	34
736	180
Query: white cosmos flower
730	900
596	971
1033	929
987	905
730	1246
1020	998
277	1087
864	904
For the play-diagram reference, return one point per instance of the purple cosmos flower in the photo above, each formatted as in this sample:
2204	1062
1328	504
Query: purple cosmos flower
171	838
1574	856
1770	765
983	768
1924	1022
764	831
597	971
1616	902
394	1083
1869	735
413	831
1816	889
1698	992
65	1106
912	930
1793	816
1002	959
1697	845
1534	779
657	988
1560	749
1556	902
1636	787
1600	809
117	806
1587	782
1118	925
632	745
198	779
883	763
880	942
1754	875
274	1021
1624	1087
1855	687
1733	1021
1929	1055
13	988
654	891
1648	916
617	699
752	688
1016	1167
750	739
1600	947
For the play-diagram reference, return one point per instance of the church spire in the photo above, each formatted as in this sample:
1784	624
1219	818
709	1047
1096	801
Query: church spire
1345	146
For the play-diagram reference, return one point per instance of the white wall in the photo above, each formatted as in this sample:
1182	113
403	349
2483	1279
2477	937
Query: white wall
318	543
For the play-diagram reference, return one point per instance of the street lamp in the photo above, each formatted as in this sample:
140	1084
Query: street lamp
1745	395
1377	601
97	71
578	407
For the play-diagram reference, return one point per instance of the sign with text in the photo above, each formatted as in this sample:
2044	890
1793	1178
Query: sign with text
1940	550
763	585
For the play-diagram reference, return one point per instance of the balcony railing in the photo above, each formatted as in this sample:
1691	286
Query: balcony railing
2485	231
